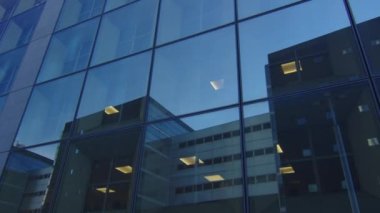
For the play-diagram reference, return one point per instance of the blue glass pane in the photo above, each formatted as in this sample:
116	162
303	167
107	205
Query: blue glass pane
2	28
314	148
2	102
298	53
6	8
192	164
50	111
365	10
254	7
195	74
24	5
367	17
20	29
9	65
112	4
28	179
180	18
120	88
75	11
125	31
69	51
99	170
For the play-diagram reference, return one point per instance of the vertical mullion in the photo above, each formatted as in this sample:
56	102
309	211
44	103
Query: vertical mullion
241	115
140	147
364	58
67	143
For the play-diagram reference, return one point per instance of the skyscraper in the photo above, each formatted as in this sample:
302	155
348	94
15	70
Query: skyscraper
163	106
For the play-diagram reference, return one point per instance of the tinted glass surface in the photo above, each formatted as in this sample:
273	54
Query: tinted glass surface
314	149
20	29
50	111
98	173
69	51
127	30
114	94
24	5
192	165
254	7
75	11
195	74
6	8
2	102
318	51
28	179
112	4
180	18
2	28
367	17
9	65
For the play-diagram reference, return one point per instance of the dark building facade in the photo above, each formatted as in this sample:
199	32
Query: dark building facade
166	106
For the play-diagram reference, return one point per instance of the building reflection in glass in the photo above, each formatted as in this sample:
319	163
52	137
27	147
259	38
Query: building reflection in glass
192	164
98	173
28	179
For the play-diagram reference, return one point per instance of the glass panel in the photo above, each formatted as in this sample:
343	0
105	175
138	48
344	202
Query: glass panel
180	18
28	179
195	74
125	31
20	29
192	165
9	65
120	88
50	111
98	173
6	8
2	102
365	10
277	60
112	4
75	11
254	7
263	184
367	17
69	51
313	148
24	5
3	25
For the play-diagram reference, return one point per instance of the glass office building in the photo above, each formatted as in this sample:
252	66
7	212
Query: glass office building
183	106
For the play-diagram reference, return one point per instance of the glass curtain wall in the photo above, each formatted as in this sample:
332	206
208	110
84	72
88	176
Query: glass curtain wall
166	106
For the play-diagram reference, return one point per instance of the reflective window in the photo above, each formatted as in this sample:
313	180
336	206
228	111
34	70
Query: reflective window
6	8
180	18
50	111
367	17
195	74
310	149
20	29
125	31
114	94
192	165
9	65
320	50
28	179
24	5
112	4
98	174
262	168
75	11
254	7
69	51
